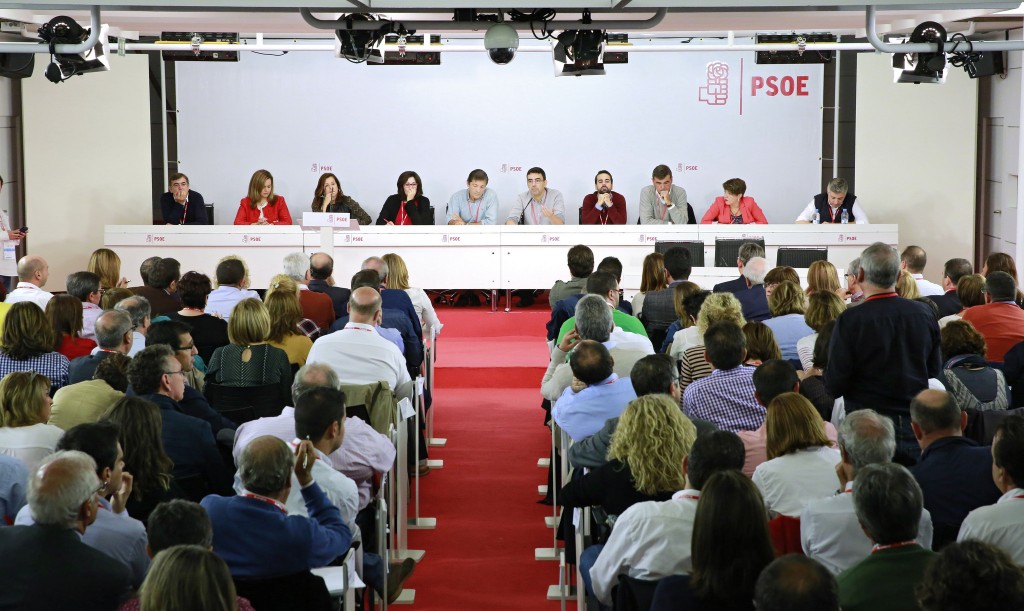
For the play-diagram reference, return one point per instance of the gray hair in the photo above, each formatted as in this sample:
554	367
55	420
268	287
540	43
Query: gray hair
296	265
838	185
888	503
594	318
311	376
56	491
82	284
749	250
376	263
868	438
881	265
111	327
136	307
755	270
854	267
265	465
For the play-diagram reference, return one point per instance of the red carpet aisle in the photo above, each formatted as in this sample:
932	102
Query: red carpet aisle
485	498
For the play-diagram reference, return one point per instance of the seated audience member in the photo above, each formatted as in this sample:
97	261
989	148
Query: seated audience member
394	325
140	429
683	291
33	272
787	321
659	306
604	205
188	577
114	335
734	208
87	401
85	287
914	259
651	540
24	411
581	264
181	205
830	205
593	321
161	287
802	461
822	307
970	292
731	547
1002	262
948	301
654	374
157	376
328	197
663	203
761	345
249	360
754	300
746	252
392	299
408	206
812	381
474	205
823	276
285	333
854	292
208	331
771	379
65	315
903	339
603	284
254	534
613	265
652	278
13	488
972	575
261	206
689	333
595	395
112	296
717	308
965	372
1002	524
796	583
726	397
107	265
114	532
283	283
778	275
888	505
829	530
398	278
321	280
137	308
955	473
48	565
27	345
232	286
317	307
176	336
1000	320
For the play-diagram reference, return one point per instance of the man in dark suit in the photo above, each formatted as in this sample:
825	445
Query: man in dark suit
949	302
321	272
160	285
747	251
46	566
113	334
392	298
752	297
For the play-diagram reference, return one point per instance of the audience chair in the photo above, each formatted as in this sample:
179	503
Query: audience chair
263	401
727	250
374	400
297	592
633	594
194	487
695	248
982	425
785	533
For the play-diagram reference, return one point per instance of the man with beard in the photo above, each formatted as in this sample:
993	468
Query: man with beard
604	206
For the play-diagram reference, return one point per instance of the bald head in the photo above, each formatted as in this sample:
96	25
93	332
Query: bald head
796	583
363	305
265	466
313	375
936	413
34	269
59	488
321	266
591	362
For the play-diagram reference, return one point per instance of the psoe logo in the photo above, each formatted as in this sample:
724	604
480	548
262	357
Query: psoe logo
543	239
348	237
149	238
245	239
641	239
716	91
444	238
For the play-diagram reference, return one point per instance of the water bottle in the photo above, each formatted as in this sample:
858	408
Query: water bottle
845	218
816	218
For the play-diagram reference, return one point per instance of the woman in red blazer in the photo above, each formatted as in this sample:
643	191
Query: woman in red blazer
262	207
734	208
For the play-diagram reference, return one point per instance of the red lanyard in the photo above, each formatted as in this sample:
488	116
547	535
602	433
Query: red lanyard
347	328
691	497
882	296
402	215
879	548
832	213
266	500
184	212
479	204
533	209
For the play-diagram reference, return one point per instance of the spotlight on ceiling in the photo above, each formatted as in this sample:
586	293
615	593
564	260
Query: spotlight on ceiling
579	53
501	42
358	46
926	67
67	31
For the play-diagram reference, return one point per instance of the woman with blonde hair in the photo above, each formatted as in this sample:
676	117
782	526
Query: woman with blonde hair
24	412
787	305
65	315
822	276
822	307
398	278
681	291
285	318
188	578
107	265
652	278
906	286
27	345
261	206
717	307
282	283
249	360
801	462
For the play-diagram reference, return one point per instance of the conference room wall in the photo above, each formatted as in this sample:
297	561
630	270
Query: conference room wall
916	158
86	160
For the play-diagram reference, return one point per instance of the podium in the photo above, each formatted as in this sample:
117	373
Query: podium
328	223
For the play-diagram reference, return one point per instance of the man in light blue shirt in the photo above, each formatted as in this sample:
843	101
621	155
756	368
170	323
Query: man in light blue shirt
539	205
13	488
476	205
595	395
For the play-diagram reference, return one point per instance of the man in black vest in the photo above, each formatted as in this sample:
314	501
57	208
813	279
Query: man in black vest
830	205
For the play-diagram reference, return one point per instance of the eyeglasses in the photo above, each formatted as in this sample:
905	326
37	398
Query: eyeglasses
187	348
178	372
410	184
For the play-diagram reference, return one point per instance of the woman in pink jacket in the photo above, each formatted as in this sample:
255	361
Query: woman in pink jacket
734	207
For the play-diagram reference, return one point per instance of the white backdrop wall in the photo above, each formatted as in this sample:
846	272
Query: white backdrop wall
302	113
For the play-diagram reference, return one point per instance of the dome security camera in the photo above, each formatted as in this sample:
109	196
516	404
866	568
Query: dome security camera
501	42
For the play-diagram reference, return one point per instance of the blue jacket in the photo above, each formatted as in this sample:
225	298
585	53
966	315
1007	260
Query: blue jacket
190	444
397	299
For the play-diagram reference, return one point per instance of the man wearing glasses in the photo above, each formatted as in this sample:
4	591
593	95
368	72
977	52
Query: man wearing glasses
113	334
538	205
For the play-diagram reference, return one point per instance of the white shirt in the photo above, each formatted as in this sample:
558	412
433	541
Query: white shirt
788	482
1001	524
425	310
30	444
224	298
927	288
683	340
90	312
361	356
805	350
831	534
807	215
138	344
339	489
651	540
624	340
26	291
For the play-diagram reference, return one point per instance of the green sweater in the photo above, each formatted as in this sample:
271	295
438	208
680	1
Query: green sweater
628	323
885	580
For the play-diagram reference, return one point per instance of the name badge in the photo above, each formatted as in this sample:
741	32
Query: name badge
9	251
